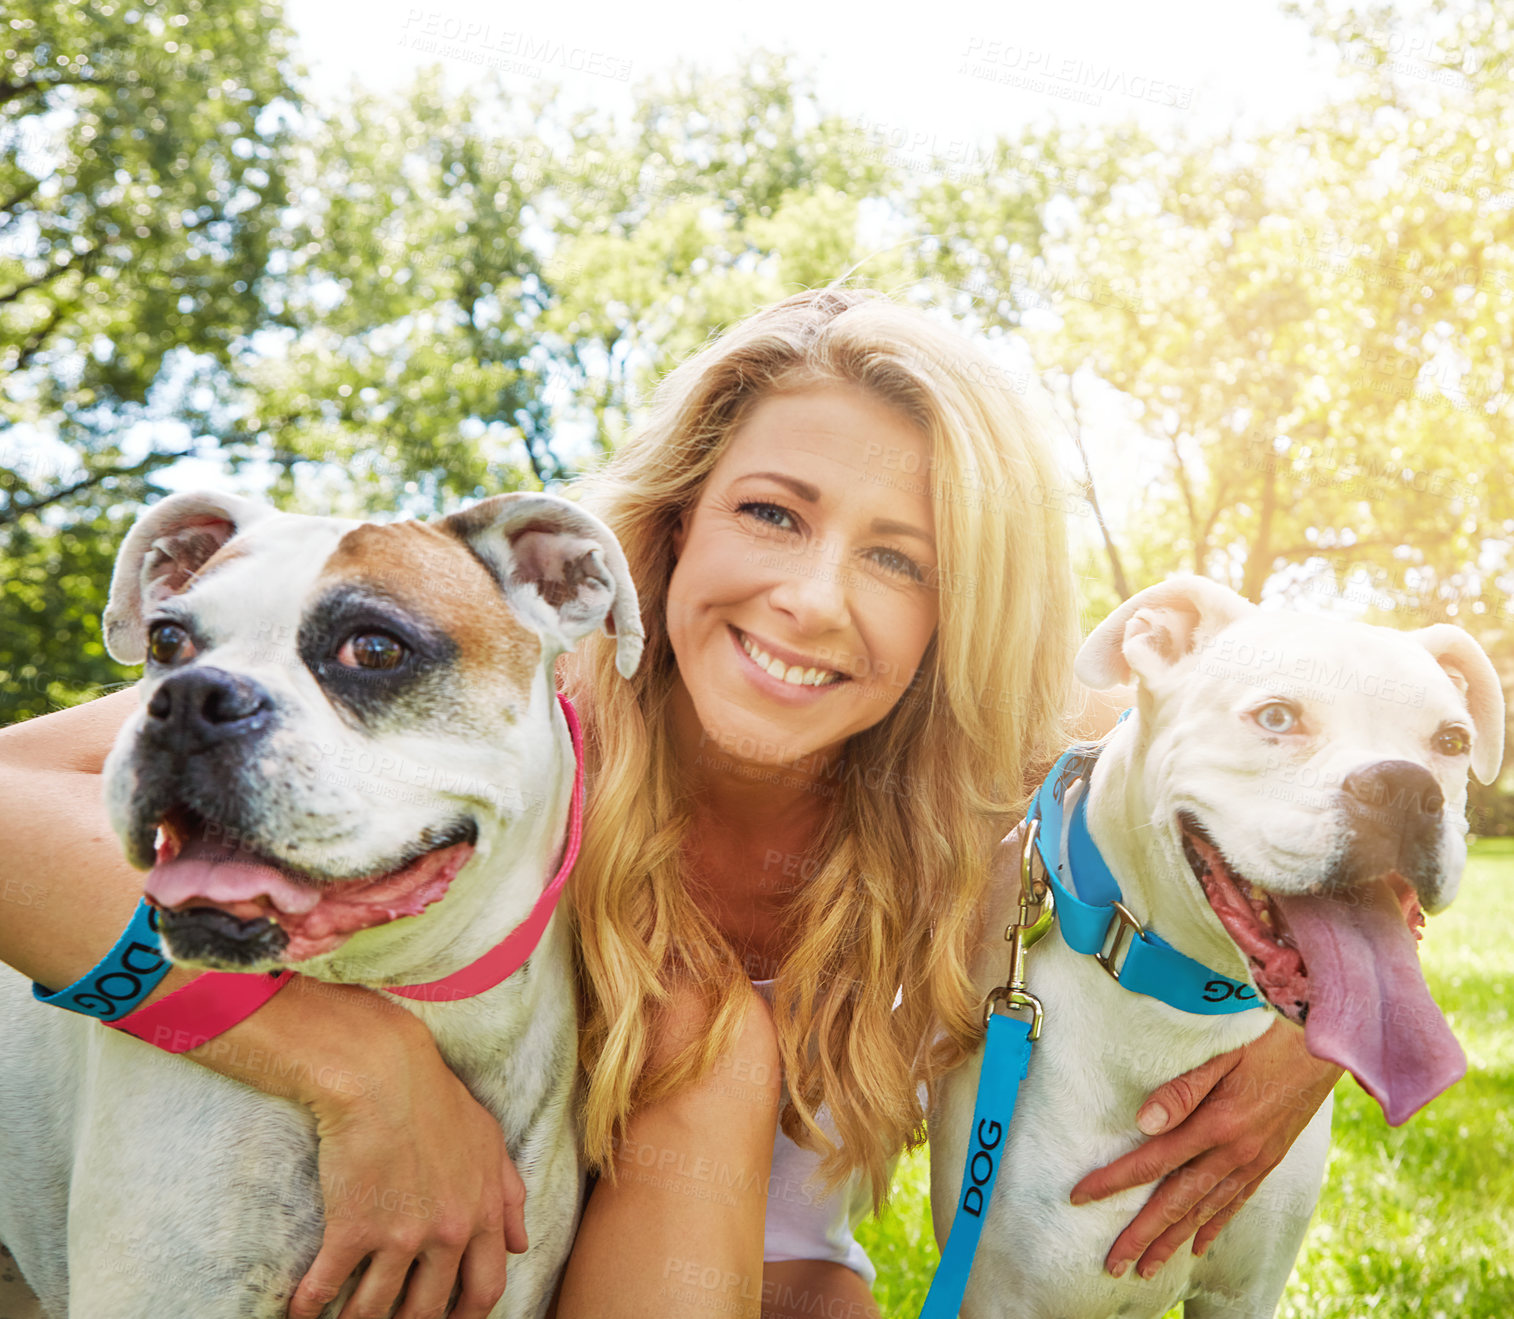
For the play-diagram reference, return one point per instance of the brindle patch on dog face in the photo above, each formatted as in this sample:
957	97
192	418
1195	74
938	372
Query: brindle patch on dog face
466	653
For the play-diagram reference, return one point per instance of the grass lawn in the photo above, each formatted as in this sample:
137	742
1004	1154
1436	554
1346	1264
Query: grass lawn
1417	1221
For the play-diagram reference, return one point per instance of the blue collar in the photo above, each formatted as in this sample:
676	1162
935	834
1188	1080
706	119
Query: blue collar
1151	965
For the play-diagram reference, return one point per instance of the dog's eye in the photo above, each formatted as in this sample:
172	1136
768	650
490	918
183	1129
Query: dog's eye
371	650
168	643
1277	717
1453	741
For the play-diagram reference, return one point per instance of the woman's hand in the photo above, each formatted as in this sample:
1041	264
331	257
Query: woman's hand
416	1180
1215	1133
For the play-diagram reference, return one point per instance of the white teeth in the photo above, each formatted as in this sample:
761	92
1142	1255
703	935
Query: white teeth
794	674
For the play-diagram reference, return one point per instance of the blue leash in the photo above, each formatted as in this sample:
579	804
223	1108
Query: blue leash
1151	966
1005	1059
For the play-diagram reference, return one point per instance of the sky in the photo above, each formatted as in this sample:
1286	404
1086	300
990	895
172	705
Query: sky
952	71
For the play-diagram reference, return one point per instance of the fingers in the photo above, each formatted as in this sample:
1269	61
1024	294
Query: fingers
1147	1163
513	1200
1172	1215
1212	1191
1168	1105
379	1288
430	1288
430	1279
338	1257
483	1279
1228	1193
1211	1229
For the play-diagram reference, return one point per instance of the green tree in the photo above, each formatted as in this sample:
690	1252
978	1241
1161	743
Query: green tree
476	288
465	292
140	178
722	194
1310	326
400	368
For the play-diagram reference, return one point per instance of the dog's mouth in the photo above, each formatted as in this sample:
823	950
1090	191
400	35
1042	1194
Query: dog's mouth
1345	967
277	910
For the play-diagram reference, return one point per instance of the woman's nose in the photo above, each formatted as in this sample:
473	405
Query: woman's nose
814	589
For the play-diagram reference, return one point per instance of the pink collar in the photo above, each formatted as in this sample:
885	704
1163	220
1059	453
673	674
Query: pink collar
508	956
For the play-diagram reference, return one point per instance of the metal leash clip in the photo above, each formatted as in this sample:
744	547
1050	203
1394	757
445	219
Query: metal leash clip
1023	934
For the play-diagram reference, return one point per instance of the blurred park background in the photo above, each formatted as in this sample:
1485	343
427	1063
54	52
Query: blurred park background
1274	333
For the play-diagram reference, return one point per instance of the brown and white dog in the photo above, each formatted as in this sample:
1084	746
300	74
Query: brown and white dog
1286	797
349	759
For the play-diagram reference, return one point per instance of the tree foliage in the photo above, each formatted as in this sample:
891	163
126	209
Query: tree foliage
1311	327
140	176
402	301
400	350
720	195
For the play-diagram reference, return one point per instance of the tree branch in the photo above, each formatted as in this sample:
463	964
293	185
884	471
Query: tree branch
79	260
34	342
1180	470
1260	558
1116	568
10	91
14	512
11	203
1373	543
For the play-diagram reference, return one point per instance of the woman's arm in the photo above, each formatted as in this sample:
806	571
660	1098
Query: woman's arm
679	1231
367	1068
70	889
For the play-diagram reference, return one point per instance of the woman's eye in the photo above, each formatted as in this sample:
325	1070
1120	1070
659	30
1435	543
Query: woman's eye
902	564
371	650
775	515
1453	741
1277	717
167	643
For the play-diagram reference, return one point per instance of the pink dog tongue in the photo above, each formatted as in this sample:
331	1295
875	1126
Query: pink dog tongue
223	877
315	920
1370	1010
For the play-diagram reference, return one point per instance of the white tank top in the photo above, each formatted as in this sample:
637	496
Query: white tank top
801	1222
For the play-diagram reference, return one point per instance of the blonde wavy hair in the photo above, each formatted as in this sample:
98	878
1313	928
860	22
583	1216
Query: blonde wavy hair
899	873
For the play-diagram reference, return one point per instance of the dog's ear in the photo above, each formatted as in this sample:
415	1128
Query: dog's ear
1469	668
561	568
1153	630
166	546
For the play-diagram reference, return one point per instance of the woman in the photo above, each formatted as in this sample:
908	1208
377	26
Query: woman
860	622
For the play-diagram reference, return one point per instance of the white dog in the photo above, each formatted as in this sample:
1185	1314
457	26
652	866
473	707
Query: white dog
1286	797
342	724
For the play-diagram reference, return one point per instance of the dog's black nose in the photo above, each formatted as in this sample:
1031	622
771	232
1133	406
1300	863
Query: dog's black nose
1398	788
198	708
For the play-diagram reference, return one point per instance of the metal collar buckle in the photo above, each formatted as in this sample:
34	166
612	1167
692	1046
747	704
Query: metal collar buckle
1123	925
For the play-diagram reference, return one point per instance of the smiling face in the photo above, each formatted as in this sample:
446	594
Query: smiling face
804	594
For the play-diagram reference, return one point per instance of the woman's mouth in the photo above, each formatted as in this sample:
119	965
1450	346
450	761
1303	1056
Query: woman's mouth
793	674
